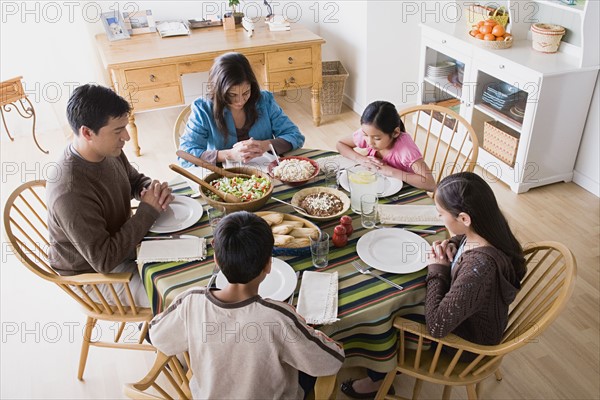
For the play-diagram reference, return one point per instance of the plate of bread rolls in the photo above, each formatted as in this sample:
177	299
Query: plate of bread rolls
291	233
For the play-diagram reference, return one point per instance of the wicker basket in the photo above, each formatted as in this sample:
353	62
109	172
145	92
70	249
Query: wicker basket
501	141
546	37
494	44
334	80
477	13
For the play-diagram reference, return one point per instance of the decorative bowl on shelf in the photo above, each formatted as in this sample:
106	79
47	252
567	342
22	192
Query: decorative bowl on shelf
546	38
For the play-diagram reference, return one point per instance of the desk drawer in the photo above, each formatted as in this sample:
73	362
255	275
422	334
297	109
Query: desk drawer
291	79
152	76
156	98
290	59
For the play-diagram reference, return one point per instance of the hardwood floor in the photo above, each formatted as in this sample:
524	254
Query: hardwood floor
41	327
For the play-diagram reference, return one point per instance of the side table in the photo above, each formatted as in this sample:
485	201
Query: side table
13	95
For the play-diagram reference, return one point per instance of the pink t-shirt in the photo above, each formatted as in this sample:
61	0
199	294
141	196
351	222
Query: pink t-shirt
402	156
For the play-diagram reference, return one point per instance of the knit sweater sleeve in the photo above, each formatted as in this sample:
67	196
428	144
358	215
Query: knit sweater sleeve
84	225
137	180
448	303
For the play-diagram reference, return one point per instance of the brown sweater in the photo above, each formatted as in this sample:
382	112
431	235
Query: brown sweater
472	301
89	214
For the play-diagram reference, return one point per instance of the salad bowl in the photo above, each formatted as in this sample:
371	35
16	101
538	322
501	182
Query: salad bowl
250	205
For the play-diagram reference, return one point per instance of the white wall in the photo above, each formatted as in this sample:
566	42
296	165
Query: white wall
51	44
587	165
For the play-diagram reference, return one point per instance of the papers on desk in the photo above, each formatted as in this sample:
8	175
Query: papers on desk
409	214
189	248
318	297
172	28
278	23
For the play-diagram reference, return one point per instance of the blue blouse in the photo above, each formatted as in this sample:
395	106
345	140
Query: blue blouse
201	132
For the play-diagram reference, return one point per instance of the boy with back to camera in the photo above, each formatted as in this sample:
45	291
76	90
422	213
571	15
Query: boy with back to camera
241	345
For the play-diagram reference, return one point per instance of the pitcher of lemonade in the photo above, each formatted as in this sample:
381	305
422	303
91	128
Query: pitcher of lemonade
364	181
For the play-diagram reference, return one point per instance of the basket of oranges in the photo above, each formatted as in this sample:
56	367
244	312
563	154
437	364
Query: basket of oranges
491	34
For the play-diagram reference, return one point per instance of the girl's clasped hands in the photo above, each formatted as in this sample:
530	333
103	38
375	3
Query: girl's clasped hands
442	252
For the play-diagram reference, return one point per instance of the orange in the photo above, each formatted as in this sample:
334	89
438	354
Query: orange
489	36
498	30
479	36
499	39
480	23
507	35
474	32
485	29
490	22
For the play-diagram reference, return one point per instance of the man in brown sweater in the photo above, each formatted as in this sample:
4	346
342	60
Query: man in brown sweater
90	221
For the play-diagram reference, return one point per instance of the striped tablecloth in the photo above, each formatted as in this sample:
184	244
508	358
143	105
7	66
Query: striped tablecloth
366	305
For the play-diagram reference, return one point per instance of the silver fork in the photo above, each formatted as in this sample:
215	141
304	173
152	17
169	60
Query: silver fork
365	271
213	276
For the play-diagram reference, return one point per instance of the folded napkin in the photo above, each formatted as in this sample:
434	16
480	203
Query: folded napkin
164	250
318	298
409	214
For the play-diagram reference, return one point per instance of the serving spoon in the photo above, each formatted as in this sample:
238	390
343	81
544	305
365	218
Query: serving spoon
227	197
211	167
297	208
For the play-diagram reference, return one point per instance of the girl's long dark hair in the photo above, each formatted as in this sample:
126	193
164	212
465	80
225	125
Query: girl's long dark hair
231	69
383	116
469	193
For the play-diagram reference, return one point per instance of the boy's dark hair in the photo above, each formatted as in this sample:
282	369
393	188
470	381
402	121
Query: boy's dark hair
383	116
93	105
243	244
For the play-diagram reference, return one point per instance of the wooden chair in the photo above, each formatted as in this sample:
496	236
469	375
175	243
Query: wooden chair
546	288
433	135
179	126
25	216
168	378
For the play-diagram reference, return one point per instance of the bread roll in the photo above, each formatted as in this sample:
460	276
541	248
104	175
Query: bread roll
282	240
282	229
298	242
304	232
295	224
273	218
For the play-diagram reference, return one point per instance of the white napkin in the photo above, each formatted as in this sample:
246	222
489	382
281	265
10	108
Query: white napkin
318	297
408	214
164	250
261	162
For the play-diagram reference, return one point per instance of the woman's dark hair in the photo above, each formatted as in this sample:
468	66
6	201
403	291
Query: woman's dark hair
469	193
93	105
383	116
231	69
243	244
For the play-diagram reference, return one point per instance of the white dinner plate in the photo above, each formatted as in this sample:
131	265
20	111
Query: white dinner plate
392	187
182	213
393	250
278	285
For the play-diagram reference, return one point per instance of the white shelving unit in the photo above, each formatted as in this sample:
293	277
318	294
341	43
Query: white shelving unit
556	89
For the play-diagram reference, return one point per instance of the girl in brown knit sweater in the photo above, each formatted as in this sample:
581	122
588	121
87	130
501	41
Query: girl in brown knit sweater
473	277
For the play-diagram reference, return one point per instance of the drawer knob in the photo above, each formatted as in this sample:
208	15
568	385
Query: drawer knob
290	60
444	41
291	80
156	98
501	66
152	78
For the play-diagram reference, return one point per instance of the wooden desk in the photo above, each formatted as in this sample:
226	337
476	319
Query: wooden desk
147	69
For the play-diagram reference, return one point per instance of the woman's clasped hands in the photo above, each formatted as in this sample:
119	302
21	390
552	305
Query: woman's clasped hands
442	252
246	150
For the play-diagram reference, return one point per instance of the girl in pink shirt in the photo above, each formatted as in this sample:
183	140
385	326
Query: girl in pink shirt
388	149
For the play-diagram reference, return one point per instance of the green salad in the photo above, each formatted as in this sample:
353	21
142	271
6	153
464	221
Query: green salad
247	189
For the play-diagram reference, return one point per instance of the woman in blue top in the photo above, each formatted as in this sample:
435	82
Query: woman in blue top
237	121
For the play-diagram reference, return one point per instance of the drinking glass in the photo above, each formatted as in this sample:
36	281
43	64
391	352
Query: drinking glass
368	209
215	214
331	175
319	248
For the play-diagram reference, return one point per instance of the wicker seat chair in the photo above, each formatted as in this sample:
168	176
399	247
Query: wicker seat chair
25	216
168	378
546	288
432	136
179	126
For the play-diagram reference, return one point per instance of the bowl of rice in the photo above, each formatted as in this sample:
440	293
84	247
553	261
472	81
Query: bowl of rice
294	170
254	191
321	203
